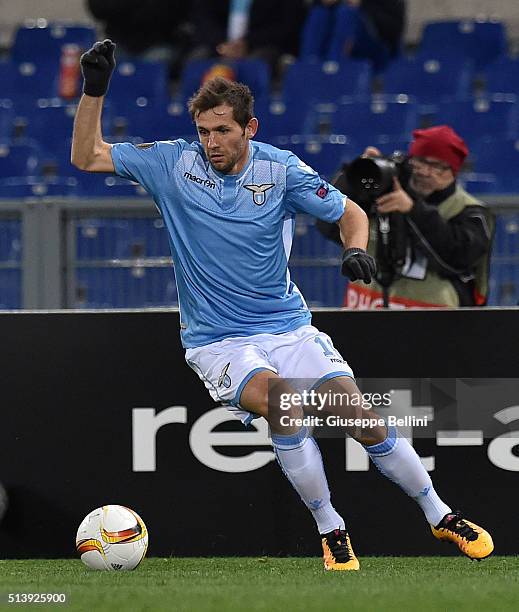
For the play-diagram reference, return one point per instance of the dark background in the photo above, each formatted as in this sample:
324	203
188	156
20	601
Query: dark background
70	380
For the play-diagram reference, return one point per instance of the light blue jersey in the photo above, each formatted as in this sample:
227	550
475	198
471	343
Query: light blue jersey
231	235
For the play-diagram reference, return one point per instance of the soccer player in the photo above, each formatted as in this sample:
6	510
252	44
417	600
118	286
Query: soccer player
229	205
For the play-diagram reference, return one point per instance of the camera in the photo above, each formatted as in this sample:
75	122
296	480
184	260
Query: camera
368	178
364	180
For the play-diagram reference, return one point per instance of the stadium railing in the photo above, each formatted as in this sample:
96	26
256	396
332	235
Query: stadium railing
112	252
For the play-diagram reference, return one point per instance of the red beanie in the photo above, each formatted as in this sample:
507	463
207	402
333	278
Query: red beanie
440	142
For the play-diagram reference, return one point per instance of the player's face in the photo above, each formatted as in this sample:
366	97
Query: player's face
225	142
429	175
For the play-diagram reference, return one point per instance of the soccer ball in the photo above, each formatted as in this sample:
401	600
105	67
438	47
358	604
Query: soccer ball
112	538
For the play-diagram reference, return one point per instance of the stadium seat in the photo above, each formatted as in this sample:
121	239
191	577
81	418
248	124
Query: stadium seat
324	155
146	122
40	39
504	283
309	244
321	284
10	240
506	238
27	81
429	79
278	118
107	238
495	117
7	119
502	76
19	160
37	187
49	122
376	120
501	158
254	73
139	80
480	41
308	81
479	183
136	286
100	185
10	289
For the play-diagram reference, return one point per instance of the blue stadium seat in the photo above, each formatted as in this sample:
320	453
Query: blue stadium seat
479	183
506	237
504	284
10	240
324	155
19	160
38	187
106	238
376	120
134	80
100	185
146	122
502	76
254	73
480	41
309	243
495	117
122	287
390	145
278	118
34	41
27	81
7	119
321	285
313	81
501	158
10	289
429	79
49	122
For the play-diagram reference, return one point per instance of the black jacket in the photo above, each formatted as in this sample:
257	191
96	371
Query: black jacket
452	247
274	23
389	19
140	24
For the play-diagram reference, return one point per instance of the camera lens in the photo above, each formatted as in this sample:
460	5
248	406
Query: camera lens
371	177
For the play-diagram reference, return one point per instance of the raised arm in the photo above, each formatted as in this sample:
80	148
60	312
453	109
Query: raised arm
354	229
89	151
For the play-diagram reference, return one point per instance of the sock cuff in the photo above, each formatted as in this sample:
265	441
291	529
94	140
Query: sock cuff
387	446
290	442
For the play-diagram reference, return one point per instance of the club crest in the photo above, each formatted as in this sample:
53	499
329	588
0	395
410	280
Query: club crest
258	192
225	379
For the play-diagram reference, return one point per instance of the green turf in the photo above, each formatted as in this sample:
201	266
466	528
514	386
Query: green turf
402	584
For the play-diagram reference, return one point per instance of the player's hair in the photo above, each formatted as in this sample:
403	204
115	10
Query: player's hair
218	91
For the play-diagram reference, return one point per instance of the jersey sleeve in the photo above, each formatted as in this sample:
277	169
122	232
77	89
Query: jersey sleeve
148	163
308	193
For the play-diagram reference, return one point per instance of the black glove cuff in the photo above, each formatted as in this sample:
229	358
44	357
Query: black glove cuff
351	251
96	90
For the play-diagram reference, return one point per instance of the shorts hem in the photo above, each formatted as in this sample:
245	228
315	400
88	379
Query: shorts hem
236	401
329	376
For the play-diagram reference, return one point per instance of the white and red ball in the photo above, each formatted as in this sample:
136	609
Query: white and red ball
112	538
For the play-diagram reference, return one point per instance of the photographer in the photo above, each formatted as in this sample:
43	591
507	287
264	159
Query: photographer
431	238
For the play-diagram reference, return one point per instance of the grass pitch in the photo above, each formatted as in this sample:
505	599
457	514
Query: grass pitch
288	585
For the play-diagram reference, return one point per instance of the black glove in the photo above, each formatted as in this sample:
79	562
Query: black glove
97	65
358	265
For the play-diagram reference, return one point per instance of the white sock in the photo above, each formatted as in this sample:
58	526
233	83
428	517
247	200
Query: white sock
301	461
397	459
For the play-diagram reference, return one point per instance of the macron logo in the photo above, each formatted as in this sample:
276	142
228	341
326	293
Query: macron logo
200	181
